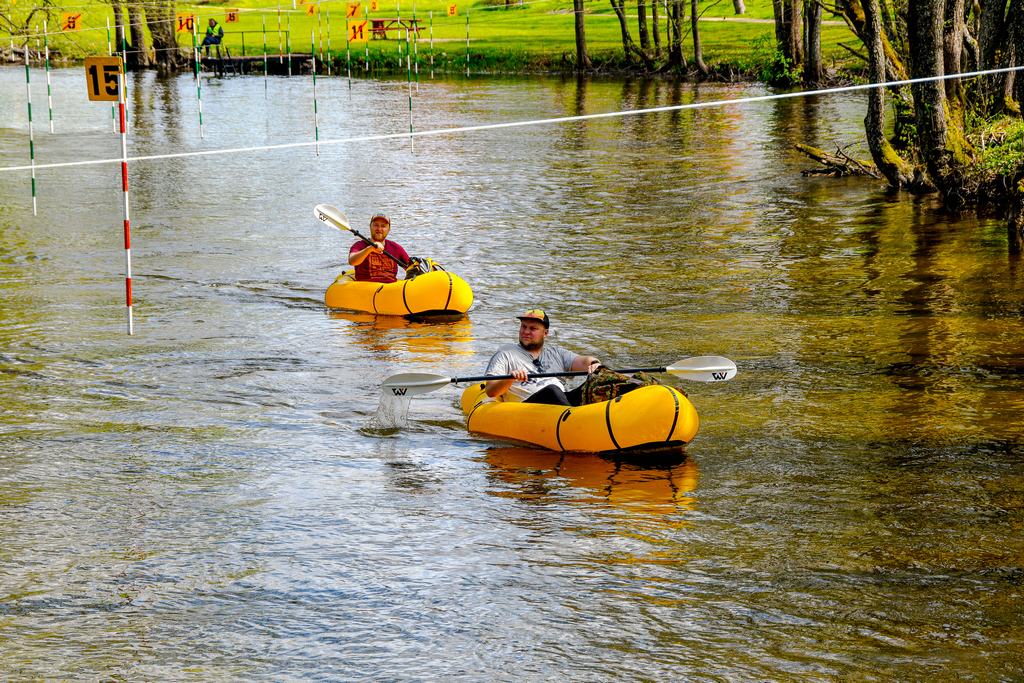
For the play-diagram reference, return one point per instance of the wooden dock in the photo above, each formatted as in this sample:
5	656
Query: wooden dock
277	65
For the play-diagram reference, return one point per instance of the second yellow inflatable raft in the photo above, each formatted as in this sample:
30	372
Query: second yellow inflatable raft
647	418
435	293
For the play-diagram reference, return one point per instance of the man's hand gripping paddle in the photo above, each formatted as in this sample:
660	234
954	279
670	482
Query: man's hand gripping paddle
333	216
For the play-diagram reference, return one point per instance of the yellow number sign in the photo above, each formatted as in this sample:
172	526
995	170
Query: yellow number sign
352	10
373	5
357	32
102	78
185	23
70	22
312	8
230	16
453	10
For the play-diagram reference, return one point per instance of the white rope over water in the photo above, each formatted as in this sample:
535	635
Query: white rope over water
520	124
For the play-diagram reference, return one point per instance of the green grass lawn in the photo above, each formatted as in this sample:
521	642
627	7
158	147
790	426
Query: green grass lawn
530	35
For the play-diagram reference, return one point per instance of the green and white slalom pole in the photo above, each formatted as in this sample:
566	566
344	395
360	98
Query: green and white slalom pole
280	38
366	17
288	40
431	44
316	121
31	133
467	40
199	79
348	55
195	55
408	79
49	88
110	53
124	66
329	60
263	17
415	48
319	33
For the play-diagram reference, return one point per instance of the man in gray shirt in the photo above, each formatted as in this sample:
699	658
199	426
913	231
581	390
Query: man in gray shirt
531	355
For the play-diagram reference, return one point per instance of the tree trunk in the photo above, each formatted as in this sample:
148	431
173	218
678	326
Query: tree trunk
738	7
812	63
992	38
628	46
992	27
853	12
160	19
138	56
655	31
1016	79
943	147
675	35
118	25
795	10
620	12
582	58
891	30
897	171
953	43
641	25
698	55
787	30
779	13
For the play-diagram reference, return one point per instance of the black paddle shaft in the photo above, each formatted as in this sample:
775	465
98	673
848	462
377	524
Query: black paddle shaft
578	373
370	243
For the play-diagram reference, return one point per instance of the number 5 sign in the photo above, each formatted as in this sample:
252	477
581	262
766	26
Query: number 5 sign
102	78
69	21
453	10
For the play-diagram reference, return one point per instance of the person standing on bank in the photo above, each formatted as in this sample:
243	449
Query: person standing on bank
370	260
531	355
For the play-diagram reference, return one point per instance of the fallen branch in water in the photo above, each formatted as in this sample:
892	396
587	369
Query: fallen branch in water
838	164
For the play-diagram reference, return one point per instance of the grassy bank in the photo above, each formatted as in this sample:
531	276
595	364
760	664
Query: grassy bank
533	36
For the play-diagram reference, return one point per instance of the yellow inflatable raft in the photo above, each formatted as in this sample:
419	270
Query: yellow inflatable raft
647	418
431	294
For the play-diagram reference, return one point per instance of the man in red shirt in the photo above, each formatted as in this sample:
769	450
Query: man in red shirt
370	260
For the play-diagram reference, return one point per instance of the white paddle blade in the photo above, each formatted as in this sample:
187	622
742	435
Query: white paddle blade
704	369
413	383
331	215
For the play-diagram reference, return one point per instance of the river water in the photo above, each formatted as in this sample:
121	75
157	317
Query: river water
209	499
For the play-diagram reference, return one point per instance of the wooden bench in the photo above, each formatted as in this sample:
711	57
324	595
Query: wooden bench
379	27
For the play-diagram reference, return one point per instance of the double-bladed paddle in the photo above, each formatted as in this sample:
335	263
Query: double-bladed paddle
696	369
333	216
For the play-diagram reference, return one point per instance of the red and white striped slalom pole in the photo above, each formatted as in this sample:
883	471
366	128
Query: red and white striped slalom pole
124	188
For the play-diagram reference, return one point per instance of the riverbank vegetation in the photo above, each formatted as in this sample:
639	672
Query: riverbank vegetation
503	36
960	138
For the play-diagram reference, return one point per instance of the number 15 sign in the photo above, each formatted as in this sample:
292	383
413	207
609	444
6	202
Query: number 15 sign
102	78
